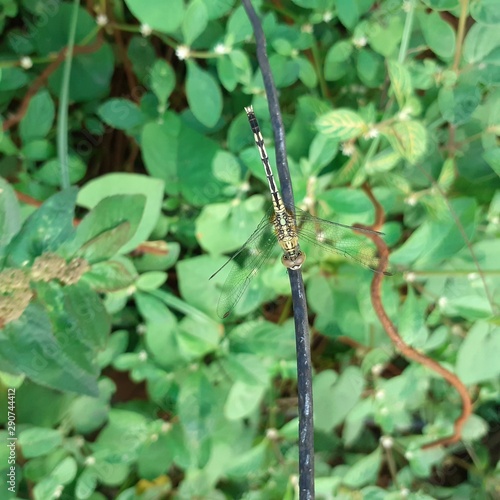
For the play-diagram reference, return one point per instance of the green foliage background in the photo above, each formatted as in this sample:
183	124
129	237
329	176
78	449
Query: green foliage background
127	384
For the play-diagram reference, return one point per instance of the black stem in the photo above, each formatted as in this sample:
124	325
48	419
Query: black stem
302	339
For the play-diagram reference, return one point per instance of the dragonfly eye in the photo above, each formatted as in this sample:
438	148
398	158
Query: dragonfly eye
294	264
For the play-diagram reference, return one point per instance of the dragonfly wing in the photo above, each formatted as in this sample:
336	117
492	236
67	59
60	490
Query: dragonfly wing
244	266
339	239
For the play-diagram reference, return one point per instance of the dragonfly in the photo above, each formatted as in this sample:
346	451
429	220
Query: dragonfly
282	226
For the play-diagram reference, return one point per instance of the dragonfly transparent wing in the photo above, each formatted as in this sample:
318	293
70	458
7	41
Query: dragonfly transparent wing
244	265
339	239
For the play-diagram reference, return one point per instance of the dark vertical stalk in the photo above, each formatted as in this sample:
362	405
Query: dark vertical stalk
302	341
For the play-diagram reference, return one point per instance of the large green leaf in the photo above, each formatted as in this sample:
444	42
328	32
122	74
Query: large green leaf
29	346
109	226
45	230
113	184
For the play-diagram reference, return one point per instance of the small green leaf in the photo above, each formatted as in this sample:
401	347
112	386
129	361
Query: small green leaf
155	14
10	214
195	21
438	34
121	114
335	60
478	356
38	441
151	280
364	471
46	229
492	158
50	172
348	13
39	117
409	139
400	81
341	124
65	471
485	11
162	80
242	400
160	145
412	321
203	94
38	150
480	41
335	396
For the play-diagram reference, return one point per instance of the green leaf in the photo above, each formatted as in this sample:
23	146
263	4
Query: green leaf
91	72
10	214
86	484
121	114
160	145
154	14
203	94
348	13
335	396
436	240
485	11
478	356
409	139
411	325
341	124
364	471
322	151
113	184
226	73
37	121
65	471
38	150
12	79
29	346
243	399
38	441
492	158
336	57
385	38
195	21
438	34
400	81
162	333
370	66
162	80
110	276
50	172
151	280
109	226
45	230
479	42
223	227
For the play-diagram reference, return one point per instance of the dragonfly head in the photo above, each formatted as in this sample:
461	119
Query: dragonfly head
293	262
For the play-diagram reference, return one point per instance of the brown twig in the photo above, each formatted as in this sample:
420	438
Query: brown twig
406	350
